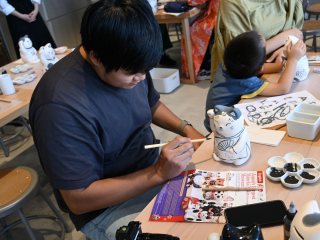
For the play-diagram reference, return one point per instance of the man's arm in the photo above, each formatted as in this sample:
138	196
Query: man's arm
165	118
174	158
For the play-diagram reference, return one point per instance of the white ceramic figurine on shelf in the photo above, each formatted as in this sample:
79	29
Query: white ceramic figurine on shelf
231	141
47	56
27	52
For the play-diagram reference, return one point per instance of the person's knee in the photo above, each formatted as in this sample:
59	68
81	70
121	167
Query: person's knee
111	230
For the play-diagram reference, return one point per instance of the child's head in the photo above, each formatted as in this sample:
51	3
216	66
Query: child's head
245	55
122	34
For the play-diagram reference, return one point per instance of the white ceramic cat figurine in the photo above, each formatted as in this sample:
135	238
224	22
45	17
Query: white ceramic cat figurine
27	52
231	141
47	56
302	69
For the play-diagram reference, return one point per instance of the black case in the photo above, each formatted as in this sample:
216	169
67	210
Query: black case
266	214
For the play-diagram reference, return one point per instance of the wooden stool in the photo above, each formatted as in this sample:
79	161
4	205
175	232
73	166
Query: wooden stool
313	9
311	27
18	186
20	121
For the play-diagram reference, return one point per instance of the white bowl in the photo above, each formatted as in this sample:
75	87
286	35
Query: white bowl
275	174
292	167
309	163
291	180
293	157
310	176
277	162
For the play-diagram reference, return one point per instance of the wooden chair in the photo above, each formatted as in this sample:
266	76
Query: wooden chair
313	9
18	186
311	27
20	122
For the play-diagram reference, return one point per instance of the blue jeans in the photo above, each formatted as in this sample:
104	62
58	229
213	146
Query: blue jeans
104	226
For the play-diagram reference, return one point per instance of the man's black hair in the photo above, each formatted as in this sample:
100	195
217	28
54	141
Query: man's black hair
122	34
245	55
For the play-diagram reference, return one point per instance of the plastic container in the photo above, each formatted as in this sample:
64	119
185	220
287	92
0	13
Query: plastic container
312	109
304	121
165	80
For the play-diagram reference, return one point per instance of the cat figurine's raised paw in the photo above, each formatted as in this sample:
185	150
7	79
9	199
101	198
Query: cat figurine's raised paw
231	141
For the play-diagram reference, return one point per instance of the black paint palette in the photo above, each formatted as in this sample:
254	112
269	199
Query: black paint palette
293	170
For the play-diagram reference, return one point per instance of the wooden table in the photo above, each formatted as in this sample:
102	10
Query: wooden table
202	159
20	100
183	18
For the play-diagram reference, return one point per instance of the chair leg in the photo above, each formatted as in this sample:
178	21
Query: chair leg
26	224
25	123
3	225
314	43
55	211
177	31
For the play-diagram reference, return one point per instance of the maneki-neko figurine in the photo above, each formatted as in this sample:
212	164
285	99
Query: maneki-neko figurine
27	52
47	56
231	141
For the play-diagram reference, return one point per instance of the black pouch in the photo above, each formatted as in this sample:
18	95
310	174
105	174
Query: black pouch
230	232
177	7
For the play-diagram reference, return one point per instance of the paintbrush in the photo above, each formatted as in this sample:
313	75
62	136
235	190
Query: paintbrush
162	144
4	100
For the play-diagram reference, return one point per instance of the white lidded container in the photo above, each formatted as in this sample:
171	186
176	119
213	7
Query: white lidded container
165	80
304	121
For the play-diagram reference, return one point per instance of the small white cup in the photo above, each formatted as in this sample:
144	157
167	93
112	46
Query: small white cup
6	84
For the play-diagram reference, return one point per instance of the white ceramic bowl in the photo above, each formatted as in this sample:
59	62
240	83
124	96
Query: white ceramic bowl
275	174
293	157
291	180
309	163
277	162
293	168
310	176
